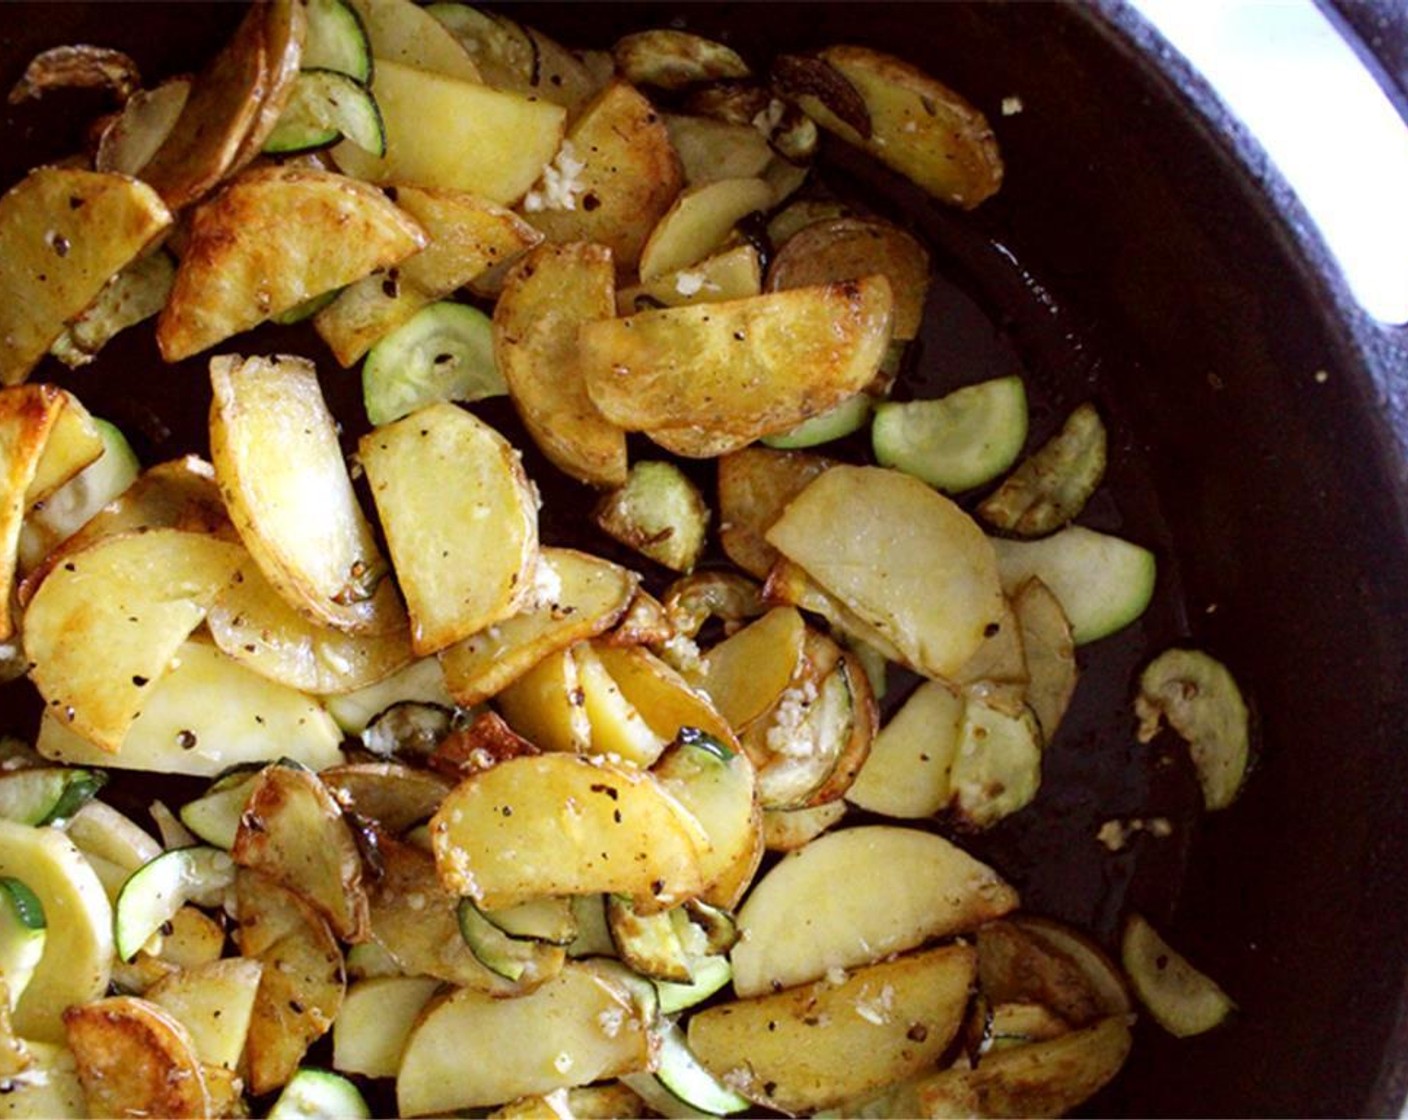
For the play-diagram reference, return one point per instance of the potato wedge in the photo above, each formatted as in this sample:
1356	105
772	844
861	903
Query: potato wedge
699	221
273	239
547	707
28	414
214	1002
746	673
545	300
93	666
461	521
755	486
377	1018
901	116
135	1059
487	142
711	150
617	728
667	701
407	34
674	59
73	443
285	31
181	732
907	773
575	1029
627	175
562	824
467	236
730	274
280	467
52	1088
902	556
746	367
788	583
128	143
796	925
292	829
820	1045
64	233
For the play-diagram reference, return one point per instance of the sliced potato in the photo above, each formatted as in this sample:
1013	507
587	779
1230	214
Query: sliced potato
1050	653
273	239
1048	489
77	67
285	31
730	274
1182	1000
901	116
617	728
711	149
907	773
786	830
214	1001
487	142
662	696
280	467
561	824
796	924
626	177
545	299
574	1029
64	233
93	666
820	1045
461	521
403	32
745	674
788	583
377	1018
1016	965
699	221
135	1059
51	1090
546	705
755	486
73	443
746	367
28	414
672	59
611	1100
393	796
135	294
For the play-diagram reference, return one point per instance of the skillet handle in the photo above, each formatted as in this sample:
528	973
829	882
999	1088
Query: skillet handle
1377	31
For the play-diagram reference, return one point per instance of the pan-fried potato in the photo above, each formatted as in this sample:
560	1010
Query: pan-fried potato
93	666
467	236
545	300
181	732
902	556
73	443
28	414
562	824
485	141
755	486
796	925
901	116
377	1018
271	240
64	233
746	673
734	273
461	521
746	367
820	1045
393	796
1015	965
574	1029
1050	653
710	149
285	31
591	595
616	726
546	706
77	67
135	294
135	1059
788	583
626	177
907	773
214	1002
699	221
662	696
280	467
612	1100
293	830
134	135
406	34
52	1088
673	59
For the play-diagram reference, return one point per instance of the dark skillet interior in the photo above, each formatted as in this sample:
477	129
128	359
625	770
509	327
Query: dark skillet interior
1130	260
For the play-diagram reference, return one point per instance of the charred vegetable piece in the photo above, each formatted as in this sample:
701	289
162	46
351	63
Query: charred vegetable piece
1051	487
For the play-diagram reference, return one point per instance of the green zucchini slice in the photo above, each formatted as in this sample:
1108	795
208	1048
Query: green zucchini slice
444	352
957	442
156	890
325	107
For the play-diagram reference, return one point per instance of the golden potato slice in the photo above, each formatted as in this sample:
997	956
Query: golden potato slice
907	773
786	830
667	701
746	367
461	521
377	1018
589	596
755	486
1016	965
467	236
734	273
285	31
746	673
820	1045
135	1059
77	67
901	116
280	467
617	727
214	1001
575	1029
562	824
407	34
51	1090
902	556
94	667
611	1100
796	925
181	732
699	221
64	233
73	443
28	414
613	180
292	829
547	707
788	583
673	59
1050	653
485	141
545	300
271	240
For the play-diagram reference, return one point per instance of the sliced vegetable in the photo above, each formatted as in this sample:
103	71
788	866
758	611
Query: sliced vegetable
997	768
698	222
1051	487
659	513
214	1001
442	353
318	1094
154	893
908	772
679	1078
337	40
956	442
1182	1000
510	957
377	1018
134	295
47	795
327	106
23	933
673	59
835	423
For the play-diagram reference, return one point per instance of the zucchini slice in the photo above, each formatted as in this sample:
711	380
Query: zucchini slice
997	768
1181	999
319	1094
1051	487
155	891
510	957
659	513
23	932
710	974
649	943
47	795
680	1085
444	352
337	40
957	442
838	421
550	920
215	816
327	106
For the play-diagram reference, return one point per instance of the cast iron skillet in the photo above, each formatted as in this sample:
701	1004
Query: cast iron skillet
1141	254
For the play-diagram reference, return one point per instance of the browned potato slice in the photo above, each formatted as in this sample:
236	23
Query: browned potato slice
644	623
1017	966
78	67
746	673
900	555
730	274
51	1090
485	141
546	298
1182	999
755	486
92	665
907	772
849	248
562	824
823	1044
699	443
64	233
901	116
407	34
135	1059
588	597
28	414
223	105
73	443
672	59
710	149
376	1020
1000	660
129	142
626	176
699	221
746	367
285	29
617	727
787	830
393	796
461	521
214	1001
663	697
292	829
1050	653
788	583
576	1028
690	602
547	707
271	240
280	467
